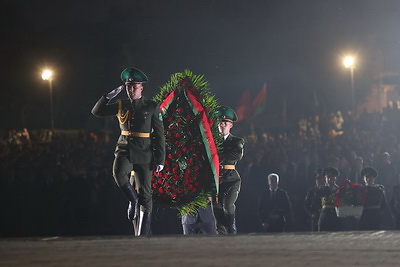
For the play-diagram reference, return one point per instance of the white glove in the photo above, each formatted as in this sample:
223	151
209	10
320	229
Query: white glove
115	92
159	168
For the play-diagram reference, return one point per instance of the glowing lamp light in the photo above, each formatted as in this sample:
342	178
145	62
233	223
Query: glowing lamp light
348	62
47	74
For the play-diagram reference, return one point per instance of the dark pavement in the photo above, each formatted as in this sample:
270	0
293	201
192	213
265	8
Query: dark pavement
380	248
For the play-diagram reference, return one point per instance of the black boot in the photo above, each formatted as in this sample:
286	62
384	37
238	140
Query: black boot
133	208
220	221
146	224
231	223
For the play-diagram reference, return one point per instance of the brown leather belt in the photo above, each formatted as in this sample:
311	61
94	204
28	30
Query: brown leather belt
135	134
228	167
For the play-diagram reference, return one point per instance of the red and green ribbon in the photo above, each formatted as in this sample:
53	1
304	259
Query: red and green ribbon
204	126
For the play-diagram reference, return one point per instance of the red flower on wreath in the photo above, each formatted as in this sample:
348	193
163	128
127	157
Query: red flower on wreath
187	165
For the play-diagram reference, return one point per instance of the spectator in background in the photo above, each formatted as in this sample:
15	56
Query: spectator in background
356	168
387	171
274	206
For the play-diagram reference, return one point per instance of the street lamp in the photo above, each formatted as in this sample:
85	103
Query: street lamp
48	75
349	63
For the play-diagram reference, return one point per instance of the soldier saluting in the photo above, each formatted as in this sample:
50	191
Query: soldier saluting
141	145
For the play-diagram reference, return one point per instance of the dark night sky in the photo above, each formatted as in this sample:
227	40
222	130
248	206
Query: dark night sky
294	46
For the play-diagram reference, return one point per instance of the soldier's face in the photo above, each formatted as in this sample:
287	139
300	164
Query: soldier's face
134	90
330	179
225	127
369	180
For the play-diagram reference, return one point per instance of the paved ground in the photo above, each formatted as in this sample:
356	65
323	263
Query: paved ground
289	249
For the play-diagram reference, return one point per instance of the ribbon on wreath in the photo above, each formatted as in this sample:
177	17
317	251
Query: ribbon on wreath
204	126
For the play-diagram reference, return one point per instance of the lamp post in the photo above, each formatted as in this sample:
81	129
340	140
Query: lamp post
349	63
48	75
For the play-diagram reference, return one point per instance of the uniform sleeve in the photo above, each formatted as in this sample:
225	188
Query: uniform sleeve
158	136
236	151
102	108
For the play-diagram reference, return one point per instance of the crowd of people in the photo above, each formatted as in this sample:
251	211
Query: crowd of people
60	182
371	140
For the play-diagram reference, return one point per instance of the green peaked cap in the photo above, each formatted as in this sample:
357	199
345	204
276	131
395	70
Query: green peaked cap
226	114
133	75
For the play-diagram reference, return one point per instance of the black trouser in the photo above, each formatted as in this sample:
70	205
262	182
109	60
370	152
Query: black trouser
228	194
122	171
314	222
328	220
371	219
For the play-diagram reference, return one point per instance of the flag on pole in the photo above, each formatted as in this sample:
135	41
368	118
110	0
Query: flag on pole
243	108
259	101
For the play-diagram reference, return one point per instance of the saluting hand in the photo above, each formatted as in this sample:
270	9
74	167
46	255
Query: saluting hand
115	92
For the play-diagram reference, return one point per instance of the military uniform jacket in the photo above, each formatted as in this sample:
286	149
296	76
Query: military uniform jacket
372	216
232	152
375	197
144	117
327	196
312	203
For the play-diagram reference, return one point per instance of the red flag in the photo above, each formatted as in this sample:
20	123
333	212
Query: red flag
259	102
243	107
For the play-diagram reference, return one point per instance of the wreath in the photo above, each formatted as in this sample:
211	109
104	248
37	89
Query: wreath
349	199
191	172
